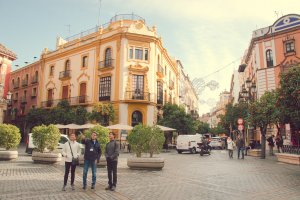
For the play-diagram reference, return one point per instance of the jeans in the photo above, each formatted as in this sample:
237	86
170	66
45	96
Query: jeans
271	150
112	172
88	163
69	165
230	152
241	149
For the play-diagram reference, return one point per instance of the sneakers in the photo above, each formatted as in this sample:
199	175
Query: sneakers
108	187
73	187
113	188
64	188
93	187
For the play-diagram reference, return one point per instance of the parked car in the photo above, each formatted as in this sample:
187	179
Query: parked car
217	143
30	146
188	143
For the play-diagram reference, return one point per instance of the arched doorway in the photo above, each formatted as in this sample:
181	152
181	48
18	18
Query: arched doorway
136	118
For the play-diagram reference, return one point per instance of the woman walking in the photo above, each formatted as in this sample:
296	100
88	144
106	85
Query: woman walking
71	150
230	146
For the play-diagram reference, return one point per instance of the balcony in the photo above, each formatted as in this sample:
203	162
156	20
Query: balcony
171	84
24	83
33	96
160	101
104	98
65	74
160	71
34	80
137	95
73	101
109	63
16	86
23	100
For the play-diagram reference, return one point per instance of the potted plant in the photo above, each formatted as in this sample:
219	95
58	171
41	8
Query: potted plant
146	139
9	139
102	137
45	138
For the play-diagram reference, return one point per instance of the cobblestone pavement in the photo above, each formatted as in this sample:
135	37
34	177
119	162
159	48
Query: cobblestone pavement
185	176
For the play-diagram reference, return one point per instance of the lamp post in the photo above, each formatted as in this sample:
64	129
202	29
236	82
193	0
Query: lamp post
248	94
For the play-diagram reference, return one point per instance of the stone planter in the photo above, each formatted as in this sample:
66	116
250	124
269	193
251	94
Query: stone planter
46	158
102	162
254	152
146	163
8	155
288	158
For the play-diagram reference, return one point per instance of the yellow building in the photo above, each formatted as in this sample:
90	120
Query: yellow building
123	62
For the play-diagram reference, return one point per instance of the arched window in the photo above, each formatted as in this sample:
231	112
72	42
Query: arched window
107	59
84	61
269	58
18	81
13	83
26	78
36	75
67	65
136	118
82	93
51	71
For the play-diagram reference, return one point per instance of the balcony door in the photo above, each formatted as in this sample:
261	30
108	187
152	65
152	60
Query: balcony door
82	93
65	92
50	98
136	118
138	87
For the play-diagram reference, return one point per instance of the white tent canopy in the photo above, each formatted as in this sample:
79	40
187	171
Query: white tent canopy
120	127
75	126
164	128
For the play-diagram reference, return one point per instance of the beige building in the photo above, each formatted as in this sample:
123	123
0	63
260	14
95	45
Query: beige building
123	62
219	109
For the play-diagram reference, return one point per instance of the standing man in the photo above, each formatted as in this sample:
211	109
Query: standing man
91	154
71	149
240	146
271	144
111	155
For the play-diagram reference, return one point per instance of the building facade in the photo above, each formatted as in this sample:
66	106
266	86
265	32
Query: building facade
6	58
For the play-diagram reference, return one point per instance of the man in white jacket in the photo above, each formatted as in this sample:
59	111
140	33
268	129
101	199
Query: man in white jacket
70	149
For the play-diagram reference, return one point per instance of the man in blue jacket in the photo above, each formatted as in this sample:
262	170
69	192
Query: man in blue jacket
91	154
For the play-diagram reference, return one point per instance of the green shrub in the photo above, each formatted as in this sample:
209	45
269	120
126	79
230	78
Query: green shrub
138	139
155	140
10	136
102	135
45	137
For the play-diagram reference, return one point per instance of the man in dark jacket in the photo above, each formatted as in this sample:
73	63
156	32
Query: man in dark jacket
91	154
111	155
240	144
271	144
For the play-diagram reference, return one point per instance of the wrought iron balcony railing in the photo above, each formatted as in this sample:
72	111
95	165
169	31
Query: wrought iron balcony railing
106	63
65	74
72	101
34	80
137	95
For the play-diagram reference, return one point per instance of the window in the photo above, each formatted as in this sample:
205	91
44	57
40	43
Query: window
25	92
269	57
17	95
18	82
138	87
67	65
107	59
131	53
160	92
104	88
84	61
146	54
289	46
138	54
33	92
136	118
13	83
51	71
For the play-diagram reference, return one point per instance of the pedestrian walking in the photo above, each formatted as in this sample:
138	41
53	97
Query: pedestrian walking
271	144
111	155
230	146
240	146
91	154
279	142
70	151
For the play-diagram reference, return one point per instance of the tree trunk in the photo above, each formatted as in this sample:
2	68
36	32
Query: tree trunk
263	131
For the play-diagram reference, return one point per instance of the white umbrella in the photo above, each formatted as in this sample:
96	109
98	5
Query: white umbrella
88	125
73	126
164	128
120	127
60	126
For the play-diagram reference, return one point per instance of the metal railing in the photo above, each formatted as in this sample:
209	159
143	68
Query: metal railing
72	101
160	101
23	99
24	83
16	86
34	80
106	25
290	149
171	84
106	63
65	74
160	69
137	95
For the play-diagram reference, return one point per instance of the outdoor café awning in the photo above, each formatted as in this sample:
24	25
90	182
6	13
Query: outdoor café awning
164	128
120	127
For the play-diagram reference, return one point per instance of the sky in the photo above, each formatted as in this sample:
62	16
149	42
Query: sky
205	35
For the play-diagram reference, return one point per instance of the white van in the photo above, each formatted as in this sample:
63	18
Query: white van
30	146
188	143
